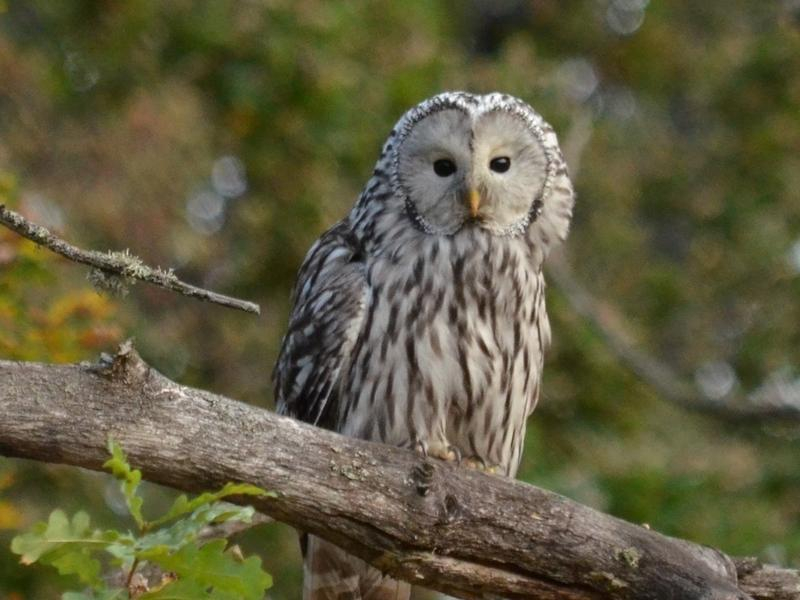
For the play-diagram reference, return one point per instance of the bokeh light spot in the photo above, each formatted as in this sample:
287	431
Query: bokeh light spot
228	177
625	17
82	75
716	379
794	256
577	79
205	212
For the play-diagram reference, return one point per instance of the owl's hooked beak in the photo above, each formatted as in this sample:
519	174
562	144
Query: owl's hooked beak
473	200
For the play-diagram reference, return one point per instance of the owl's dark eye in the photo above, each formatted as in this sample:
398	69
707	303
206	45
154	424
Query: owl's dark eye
501	164
444	167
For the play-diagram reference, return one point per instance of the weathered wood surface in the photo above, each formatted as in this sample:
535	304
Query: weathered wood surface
453	529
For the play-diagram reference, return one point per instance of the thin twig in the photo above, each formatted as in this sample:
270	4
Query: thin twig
111	270
129	579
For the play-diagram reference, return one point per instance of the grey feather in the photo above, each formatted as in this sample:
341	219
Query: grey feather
329	301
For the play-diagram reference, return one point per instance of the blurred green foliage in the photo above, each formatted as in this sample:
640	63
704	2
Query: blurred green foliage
221	138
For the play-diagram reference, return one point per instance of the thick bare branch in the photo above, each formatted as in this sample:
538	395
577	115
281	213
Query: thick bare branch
121	265
453	529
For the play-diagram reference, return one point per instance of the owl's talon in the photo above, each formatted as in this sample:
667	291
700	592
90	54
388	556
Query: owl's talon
444	452
421	448
477	463
454	454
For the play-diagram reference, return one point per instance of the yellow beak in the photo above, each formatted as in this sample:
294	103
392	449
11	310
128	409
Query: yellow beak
473	199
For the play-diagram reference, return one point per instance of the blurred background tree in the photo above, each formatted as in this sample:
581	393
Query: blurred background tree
221	137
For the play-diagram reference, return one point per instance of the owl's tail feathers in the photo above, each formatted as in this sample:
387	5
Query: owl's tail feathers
329	573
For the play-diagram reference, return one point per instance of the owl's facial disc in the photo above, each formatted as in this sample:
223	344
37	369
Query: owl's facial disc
459	169
509	168
433	165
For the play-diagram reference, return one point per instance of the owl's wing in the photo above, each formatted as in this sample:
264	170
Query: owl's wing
329	301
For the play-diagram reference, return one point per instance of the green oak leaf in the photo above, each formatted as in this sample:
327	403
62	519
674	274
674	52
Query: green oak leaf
183	505
205	571
75	561
130	480
65	544
187	529
123	549
212	568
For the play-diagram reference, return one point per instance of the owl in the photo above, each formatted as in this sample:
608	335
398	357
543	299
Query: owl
419	319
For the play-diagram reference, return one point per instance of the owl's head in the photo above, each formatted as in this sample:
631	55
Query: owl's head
463	160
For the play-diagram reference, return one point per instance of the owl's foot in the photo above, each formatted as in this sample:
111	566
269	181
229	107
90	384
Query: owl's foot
477	463
438	450
453	454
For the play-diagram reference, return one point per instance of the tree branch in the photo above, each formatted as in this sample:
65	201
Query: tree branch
111	270
453	529
770	404
669	384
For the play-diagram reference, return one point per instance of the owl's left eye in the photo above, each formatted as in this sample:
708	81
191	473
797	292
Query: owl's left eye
444	167
501	164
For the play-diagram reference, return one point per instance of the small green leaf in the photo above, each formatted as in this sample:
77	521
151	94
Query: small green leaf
76	561
66	545
211	567
186	530
130	478
123	549
204	572
183	506
45	537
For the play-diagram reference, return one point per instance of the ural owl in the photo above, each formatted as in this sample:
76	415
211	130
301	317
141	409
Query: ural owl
419	320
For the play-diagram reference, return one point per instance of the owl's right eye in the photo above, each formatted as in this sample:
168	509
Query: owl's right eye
444	167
